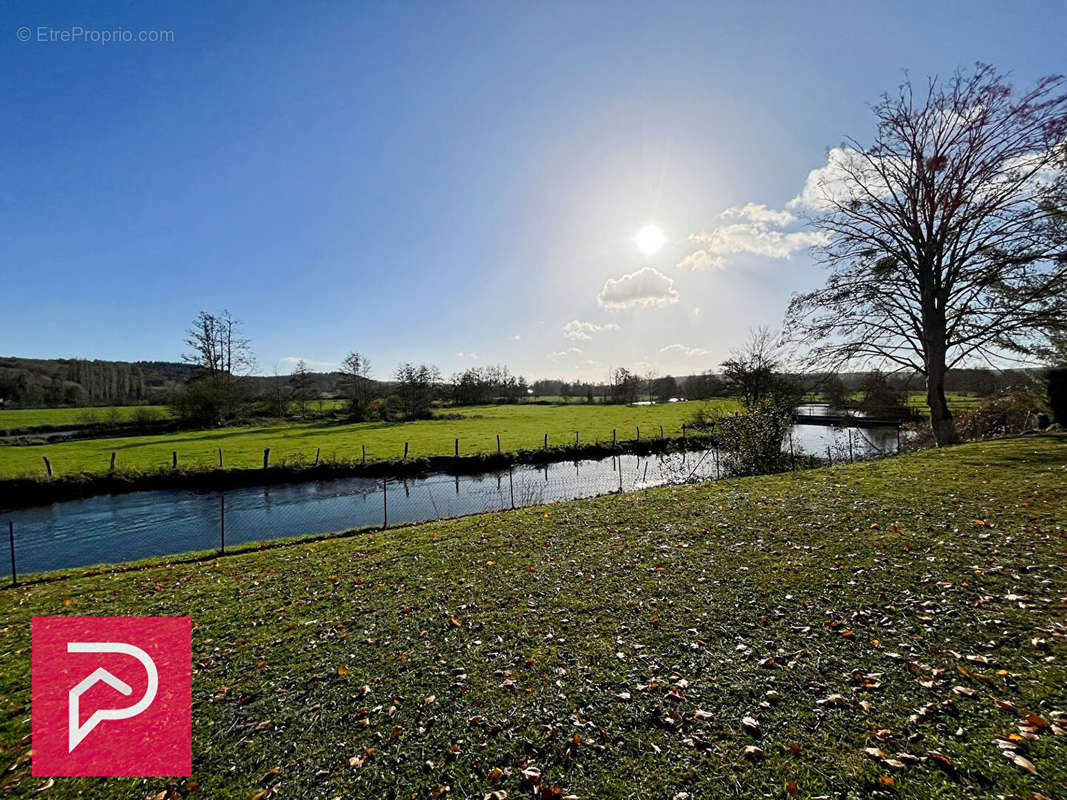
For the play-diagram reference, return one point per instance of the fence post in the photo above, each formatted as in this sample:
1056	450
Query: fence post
638	433
498	443
614	437
174	459
364	454
851	456
47	465
717	473
576	437
222	523
511	485
385	503
266	457
112	467
661	431
11	538
546	441
405	451
457	448
318	450
220	458
829	457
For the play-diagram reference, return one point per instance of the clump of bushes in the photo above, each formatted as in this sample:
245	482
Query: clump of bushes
1006	412
751	442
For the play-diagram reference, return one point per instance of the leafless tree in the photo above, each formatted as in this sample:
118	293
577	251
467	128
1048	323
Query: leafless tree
217	346
302	386
224	356
753	371
940	236
356	382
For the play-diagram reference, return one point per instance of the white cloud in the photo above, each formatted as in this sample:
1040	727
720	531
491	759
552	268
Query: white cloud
759	213
834	181
471	356
570	351
751	228
681	349
516	337
701	261
757	238
646	288
583	331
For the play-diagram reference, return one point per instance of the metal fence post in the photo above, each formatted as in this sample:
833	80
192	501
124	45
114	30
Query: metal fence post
11	538
851	456
385	503
222	523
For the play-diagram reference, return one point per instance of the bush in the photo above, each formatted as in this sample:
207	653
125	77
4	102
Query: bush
1006	412
751	442
143	415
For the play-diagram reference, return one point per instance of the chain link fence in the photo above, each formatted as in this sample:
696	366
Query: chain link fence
148	524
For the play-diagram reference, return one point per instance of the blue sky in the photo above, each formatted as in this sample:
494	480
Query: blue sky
448	182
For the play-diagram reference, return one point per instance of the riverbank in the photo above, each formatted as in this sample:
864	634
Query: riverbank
26	492
478	429
882	624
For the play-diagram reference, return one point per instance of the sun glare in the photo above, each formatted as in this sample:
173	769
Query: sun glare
650	239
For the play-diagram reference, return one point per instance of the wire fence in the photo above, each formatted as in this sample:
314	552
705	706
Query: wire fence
150	524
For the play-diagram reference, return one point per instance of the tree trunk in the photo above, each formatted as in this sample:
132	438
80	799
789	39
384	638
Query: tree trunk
940	416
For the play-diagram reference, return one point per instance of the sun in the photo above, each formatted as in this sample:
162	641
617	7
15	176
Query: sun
650	239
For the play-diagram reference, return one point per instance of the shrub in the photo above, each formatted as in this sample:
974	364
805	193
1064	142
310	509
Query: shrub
751	442
143	415
1008	411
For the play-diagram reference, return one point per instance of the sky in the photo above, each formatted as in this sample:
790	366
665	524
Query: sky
448	182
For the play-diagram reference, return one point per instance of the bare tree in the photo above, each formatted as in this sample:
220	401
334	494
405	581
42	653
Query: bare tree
302	385
224	357
356	382
217	346
940	237
753	371
650	378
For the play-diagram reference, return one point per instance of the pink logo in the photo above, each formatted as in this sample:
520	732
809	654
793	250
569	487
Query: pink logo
112	696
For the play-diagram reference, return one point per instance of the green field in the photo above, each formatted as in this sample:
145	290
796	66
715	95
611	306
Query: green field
957	402
519	426
914	605
11	419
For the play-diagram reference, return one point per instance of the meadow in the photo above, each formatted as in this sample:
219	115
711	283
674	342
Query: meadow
17	418
519	427
892	629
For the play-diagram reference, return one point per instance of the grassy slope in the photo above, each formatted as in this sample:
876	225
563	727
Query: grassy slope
519	427
579	602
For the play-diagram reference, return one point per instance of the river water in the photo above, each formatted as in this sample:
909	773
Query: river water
136	525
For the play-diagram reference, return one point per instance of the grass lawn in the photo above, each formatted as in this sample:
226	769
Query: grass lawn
915	606
11	419
519	426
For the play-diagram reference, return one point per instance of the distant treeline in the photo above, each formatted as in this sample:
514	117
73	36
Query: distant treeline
49	383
